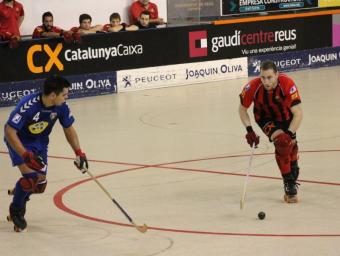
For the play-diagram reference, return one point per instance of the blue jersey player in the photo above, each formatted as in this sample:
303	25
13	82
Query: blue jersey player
26	136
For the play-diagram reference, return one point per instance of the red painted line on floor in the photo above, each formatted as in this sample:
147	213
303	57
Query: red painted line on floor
245	155
59	195
183	161
58	200
251	175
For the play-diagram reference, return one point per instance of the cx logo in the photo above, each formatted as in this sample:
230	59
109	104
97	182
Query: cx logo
267	129
52	54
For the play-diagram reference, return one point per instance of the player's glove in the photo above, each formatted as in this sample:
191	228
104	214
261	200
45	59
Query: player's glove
81	161
291	134
252	137
34	161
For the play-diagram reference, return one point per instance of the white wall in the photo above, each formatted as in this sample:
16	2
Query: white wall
66	13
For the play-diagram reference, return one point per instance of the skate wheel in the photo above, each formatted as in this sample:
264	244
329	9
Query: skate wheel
290	199
9	218
17	229
10	192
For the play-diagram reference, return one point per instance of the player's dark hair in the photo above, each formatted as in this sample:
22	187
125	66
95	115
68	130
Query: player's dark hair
46	14
84	16
268	64
144	13
56	84
115	16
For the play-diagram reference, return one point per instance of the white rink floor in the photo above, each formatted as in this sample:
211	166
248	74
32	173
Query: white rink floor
175	159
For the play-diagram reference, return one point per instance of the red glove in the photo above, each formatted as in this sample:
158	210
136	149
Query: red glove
81	160
252	137
33	161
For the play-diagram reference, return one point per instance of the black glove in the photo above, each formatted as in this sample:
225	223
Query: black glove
291	134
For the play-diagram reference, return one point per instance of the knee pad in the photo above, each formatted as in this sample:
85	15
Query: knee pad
29	181
33	183
294	154
41	186
283	144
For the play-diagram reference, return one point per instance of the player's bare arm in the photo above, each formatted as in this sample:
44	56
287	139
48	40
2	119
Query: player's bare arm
13	139
91	30
50	34
21	19
251	136
297	118
72	137
244	116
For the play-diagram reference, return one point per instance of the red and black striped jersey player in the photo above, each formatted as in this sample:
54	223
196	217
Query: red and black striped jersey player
278	112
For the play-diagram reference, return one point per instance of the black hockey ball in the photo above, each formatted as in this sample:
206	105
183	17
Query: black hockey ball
261	215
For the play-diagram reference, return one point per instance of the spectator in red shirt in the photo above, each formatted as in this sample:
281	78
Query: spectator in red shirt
47	30
85	27
11	17
116	25
145	5
74	35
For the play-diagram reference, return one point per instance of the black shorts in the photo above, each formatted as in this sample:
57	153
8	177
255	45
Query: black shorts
269	126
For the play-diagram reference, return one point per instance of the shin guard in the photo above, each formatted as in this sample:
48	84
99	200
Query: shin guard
283	151
294	157
294	153
283	162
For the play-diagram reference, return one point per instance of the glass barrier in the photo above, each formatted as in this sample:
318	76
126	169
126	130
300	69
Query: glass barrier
188	12
182	12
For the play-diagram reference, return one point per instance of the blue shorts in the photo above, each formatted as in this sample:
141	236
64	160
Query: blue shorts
36	146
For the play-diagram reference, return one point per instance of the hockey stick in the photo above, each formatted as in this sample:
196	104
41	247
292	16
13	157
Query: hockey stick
141	229
243	198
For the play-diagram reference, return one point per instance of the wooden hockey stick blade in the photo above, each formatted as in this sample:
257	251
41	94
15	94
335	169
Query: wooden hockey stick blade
141	229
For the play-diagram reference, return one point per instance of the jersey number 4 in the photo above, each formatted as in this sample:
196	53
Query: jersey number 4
36	117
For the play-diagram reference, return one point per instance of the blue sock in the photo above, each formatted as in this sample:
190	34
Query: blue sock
20	196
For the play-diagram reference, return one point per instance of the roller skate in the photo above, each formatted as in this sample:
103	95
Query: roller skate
16	215
290	188
11	191
295	169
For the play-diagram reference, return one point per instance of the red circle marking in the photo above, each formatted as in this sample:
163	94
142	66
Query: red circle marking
58	197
